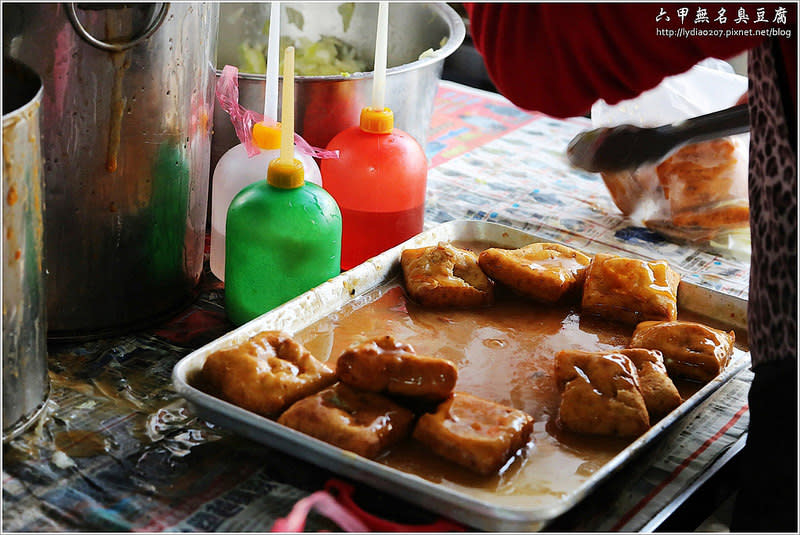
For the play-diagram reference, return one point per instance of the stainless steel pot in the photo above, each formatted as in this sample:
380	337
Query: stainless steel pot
326	105
126	120
25	382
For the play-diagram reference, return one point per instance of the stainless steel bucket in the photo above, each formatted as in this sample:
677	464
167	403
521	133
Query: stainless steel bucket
25	382
126	122
326	105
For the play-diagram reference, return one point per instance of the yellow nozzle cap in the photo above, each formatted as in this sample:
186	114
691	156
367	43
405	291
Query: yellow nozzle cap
285	174
267	137
377	121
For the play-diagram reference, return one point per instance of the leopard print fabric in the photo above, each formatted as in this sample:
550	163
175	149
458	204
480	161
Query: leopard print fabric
772	312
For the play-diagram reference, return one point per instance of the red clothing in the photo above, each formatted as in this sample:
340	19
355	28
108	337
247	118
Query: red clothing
560	58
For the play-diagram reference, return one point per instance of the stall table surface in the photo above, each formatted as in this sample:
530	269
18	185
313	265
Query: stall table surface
117	449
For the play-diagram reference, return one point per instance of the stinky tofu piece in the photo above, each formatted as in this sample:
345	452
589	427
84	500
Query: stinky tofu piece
691	350
659	392
365	423
385	365
703	175
545	272
629	290
445	276
266	373
600	394
478	434
629	189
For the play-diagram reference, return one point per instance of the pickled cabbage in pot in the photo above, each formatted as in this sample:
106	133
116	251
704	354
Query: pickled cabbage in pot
329	56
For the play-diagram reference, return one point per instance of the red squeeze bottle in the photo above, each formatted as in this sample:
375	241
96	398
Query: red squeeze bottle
379	184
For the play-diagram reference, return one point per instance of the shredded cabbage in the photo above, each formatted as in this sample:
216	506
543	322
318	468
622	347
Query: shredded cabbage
252	59
325	57
329	56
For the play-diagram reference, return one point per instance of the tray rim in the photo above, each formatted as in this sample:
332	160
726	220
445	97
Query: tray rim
469	509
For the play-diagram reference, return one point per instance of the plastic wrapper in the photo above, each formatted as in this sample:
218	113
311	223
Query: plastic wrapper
243	119
698	193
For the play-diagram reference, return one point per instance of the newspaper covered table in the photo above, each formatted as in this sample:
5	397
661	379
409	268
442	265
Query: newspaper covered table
117	449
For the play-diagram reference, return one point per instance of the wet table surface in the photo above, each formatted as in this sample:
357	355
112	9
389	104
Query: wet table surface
118	449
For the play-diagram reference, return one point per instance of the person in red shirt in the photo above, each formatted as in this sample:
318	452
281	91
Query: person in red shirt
559	59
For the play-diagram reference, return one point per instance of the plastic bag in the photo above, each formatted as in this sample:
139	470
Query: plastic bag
227	92
699	192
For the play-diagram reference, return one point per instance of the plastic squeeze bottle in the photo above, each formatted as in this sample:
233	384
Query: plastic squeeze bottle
380	176
284	235
233	172
235	169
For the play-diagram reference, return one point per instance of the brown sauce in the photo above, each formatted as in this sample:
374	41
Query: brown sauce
80	443
12	197
505	354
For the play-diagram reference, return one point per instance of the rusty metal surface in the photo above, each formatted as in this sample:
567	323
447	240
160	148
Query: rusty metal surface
25	382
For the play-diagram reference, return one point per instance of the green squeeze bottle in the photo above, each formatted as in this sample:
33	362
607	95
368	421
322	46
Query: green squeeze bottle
283	235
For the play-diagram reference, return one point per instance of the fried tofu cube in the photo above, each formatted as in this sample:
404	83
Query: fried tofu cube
385	365
445	276
691	350
628	189
475	433
546	272
365	423
600	394
266	373
629	290
659	392
701	175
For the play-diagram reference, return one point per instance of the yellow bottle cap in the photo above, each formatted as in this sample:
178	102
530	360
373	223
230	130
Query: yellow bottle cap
376	121
286	174
267	137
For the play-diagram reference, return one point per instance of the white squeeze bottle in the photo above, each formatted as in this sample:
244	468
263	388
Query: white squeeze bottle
235	170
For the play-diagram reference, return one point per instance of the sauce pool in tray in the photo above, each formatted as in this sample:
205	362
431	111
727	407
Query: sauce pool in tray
504	353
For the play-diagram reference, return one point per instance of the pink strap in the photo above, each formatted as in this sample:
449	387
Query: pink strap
243	119
326	505
336	503
344	495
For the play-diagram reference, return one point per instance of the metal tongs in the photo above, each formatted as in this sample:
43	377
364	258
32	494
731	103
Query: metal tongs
626	147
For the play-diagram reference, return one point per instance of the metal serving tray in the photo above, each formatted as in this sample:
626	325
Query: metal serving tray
332	295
